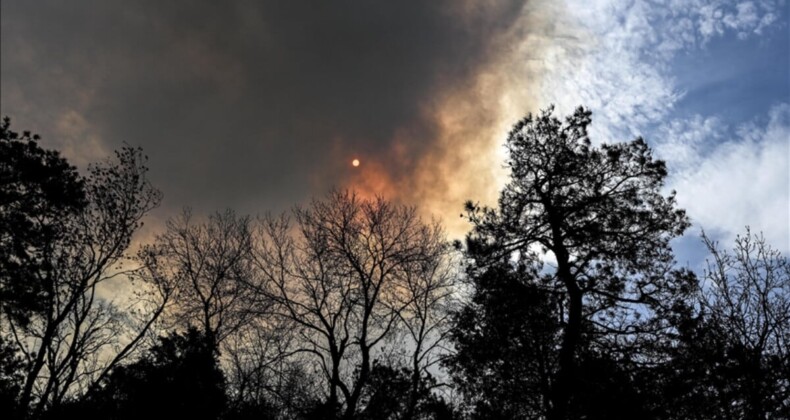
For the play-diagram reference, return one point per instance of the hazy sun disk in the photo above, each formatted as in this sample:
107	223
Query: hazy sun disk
355	162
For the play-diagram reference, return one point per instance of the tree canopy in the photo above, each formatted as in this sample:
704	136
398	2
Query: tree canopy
599	212
41	190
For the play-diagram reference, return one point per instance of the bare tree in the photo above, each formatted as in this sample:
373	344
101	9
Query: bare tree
208	267
429	292
77	336
747	304
307	290
342	277
259	374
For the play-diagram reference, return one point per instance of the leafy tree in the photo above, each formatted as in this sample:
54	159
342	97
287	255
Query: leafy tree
12	375
390	395
387	393
63	236
504	341
178	378
599	214
505	361
614	387
39	190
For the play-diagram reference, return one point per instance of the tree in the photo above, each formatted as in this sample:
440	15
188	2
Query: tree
180	377
208	266
71	242
390	395
12	375
39	191
505	360
733	360
504	340
427	296
340	277
599	213
261	377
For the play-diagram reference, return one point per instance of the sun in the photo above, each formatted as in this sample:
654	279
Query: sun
355	162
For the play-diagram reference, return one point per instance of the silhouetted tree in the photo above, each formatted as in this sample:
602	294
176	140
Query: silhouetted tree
12	376
341	280
390	395
733	360
505	341
208	266
613	387
39	193
387	394
428	295
67	243
599	213
261	375
178	378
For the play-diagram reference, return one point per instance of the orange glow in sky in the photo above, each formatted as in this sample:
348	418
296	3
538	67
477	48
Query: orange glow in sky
355	162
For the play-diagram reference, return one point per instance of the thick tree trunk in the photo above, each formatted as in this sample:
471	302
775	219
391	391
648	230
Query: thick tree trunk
362	379
415	384
755	409
334	381
562	390
38	363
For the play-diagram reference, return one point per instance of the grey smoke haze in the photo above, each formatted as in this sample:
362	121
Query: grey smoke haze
250	105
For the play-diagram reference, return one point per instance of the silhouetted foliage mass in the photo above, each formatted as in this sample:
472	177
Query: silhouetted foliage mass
178	378
12	369
388	396
505	343
40	190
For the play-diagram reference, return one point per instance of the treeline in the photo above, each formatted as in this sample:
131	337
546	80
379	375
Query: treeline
565	301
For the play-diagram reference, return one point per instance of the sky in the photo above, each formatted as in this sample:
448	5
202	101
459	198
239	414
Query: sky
262	105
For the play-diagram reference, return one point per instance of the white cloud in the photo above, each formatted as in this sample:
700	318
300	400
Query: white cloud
614	56
597	58
684	142
745	18
742	181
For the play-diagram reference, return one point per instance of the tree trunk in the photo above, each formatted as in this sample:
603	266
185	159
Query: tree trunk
334	381
38	363
364	373
562	391
415	385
